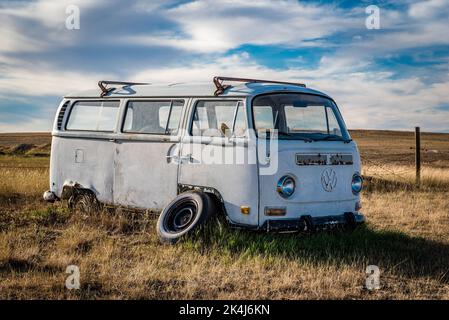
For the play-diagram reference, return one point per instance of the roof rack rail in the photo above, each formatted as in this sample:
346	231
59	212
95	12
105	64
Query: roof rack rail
105	90
218	81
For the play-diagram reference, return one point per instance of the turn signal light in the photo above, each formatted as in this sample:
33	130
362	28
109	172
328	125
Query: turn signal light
244	209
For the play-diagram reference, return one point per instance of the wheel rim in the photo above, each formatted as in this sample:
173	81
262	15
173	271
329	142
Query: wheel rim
181	216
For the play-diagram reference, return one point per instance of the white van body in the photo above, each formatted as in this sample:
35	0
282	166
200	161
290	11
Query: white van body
147	170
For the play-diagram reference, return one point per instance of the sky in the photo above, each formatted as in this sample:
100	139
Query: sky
392	77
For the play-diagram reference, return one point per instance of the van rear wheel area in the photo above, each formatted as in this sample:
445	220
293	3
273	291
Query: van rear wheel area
84	204
183	215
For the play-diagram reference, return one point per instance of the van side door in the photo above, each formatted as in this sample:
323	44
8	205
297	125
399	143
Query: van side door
145	175
214	156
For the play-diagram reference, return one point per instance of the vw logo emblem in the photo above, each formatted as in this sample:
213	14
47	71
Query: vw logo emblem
328	180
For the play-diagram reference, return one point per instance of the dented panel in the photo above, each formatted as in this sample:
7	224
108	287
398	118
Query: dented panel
143	178
93	169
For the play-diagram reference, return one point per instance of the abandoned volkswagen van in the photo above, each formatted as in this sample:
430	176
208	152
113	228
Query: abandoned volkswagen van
268	155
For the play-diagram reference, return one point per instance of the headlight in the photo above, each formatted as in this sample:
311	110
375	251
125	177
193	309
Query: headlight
356	184
286	186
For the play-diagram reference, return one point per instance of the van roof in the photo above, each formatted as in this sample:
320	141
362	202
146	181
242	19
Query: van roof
194	90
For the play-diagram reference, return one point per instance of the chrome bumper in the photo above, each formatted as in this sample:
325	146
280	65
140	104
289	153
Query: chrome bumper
309	223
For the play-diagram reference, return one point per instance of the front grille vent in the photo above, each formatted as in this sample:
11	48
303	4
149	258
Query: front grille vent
321	159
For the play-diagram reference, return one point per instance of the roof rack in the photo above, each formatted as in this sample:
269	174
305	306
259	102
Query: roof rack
218	81
105	90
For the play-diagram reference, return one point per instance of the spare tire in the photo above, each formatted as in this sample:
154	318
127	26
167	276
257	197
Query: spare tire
183	215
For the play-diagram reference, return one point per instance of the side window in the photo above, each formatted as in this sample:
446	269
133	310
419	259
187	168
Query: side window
216	118
200	121
93	116
153	117
263	117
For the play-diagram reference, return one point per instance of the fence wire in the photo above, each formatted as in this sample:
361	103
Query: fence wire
400	174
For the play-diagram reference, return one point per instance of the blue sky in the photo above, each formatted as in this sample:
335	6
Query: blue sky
395	77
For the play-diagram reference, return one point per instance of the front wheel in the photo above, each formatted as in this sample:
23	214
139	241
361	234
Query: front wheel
183	215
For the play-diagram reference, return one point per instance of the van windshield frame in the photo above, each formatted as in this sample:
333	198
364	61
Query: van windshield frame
298	116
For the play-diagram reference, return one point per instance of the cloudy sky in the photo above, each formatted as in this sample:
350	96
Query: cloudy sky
395	77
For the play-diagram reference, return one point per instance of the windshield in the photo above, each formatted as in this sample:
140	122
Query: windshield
298	116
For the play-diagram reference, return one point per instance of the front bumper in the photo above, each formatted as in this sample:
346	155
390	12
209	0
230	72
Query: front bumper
309	223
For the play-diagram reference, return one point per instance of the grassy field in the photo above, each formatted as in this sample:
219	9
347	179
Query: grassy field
407	236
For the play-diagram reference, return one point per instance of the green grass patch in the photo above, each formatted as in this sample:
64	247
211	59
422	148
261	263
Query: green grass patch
49	216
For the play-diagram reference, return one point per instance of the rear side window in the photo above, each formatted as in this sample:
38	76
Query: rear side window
216	119
153	117
93	116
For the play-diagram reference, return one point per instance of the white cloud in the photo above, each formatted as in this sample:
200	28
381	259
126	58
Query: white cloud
51	13
42	80
206	26
368	99
17	41
428	9
38	26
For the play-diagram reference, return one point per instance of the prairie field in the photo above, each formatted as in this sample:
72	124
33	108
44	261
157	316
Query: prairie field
119	256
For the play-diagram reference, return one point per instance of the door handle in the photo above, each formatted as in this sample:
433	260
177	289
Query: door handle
187	157
178	159
172	158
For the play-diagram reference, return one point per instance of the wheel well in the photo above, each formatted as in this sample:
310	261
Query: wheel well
212	192
74	189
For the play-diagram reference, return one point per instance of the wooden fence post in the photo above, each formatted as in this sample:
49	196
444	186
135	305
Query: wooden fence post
418	155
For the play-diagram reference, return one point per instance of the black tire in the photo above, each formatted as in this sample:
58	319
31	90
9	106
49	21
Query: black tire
351	224
183	215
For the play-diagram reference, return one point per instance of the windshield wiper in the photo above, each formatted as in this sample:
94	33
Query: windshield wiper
283	133
334	138
329	137
295	136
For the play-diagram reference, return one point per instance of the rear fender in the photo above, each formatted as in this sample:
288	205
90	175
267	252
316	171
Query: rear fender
71	189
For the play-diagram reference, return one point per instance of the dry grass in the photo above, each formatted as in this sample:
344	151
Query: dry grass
13	139
398	147
120	258
19	181
410	248
390	177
